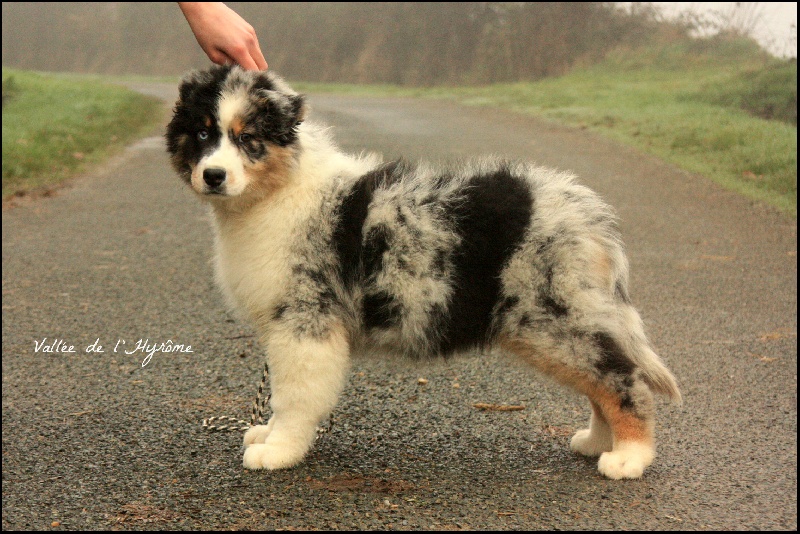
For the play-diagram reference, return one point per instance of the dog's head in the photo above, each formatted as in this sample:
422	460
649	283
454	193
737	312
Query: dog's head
234	133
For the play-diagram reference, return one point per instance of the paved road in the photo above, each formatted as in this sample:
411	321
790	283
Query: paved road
93	441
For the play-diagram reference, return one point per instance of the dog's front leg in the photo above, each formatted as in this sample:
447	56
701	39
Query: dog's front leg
306	377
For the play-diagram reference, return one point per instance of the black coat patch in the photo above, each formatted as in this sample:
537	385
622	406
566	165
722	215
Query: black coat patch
613	359
358	254
491	219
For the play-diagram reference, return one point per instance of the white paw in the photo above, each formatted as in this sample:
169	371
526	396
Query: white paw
627	460
272	456
583	442
256	434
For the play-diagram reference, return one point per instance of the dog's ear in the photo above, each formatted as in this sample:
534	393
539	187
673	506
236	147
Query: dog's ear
299	108
296	113
187	86
201	81
290	106
273	91
191	82
280	114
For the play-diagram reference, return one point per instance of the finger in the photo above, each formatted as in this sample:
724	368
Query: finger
255	50
259	58
220	58
242	59
247	63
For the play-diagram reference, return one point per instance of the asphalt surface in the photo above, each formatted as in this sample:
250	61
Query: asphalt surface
96	441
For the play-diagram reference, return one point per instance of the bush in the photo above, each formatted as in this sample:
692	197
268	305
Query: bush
769	92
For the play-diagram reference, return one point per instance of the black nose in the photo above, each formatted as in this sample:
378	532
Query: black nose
214	177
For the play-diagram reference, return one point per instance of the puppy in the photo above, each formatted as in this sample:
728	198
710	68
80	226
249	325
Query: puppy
329	254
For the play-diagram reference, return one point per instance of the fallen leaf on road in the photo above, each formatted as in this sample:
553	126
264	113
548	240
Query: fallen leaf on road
759	357
716	258
145	513
779	333
558	430
359	484
498	407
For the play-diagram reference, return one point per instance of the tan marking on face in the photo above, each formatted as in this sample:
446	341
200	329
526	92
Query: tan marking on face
231	107
236	126
271	173
625	425
207	121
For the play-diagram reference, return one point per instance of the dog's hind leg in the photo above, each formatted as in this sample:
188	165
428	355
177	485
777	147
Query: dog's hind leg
596	439
621	429
307	375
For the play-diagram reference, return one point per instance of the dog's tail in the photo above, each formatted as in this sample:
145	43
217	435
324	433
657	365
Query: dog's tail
627	330
655	373
632	347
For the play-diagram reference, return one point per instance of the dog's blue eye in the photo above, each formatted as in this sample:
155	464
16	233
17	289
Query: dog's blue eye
202	135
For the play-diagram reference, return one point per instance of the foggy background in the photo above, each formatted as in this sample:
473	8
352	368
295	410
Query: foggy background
398	43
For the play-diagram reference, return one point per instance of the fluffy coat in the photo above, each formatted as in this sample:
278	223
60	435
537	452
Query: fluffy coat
329	254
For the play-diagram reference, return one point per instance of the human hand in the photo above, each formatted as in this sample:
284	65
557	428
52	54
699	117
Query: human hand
223	35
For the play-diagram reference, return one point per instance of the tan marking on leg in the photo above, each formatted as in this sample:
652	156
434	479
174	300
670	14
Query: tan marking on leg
596	411
625	425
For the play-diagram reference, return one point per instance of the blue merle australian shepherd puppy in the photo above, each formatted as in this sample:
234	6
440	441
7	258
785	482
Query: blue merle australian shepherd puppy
329	255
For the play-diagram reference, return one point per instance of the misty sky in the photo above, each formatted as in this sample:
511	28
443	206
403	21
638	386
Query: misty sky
776	19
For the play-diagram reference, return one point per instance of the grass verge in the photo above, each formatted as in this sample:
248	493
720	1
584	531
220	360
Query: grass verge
55	127
691	104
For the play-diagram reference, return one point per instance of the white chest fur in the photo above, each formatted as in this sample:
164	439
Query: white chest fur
252	253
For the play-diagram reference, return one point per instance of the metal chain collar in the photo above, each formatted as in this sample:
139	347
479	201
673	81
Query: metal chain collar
231	424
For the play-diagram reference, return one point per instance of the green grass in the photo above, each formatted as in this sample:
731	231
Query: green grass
693	104
769	93
55	126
